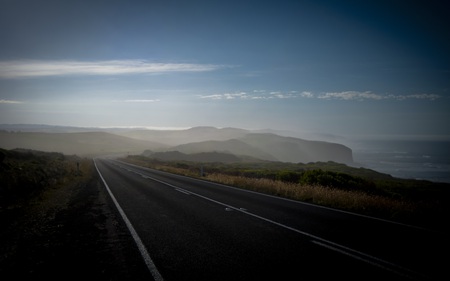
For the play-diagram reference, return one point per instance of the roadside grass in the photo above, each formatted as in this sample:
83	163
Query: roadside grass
424	212
352	201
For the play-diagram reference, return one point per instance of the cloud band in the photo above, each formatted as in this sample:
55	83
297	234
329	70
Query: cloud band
10	101
37	68
346	95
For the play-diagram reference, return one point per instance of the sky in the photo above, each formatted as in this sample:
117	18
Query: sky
347	68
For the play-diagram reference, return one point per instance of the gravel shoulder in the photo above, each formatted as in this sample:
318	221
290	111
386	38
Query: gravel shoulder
69	231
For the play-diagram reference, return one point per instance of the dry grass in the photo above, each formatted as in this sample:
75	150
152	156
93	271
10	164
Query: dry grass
341	199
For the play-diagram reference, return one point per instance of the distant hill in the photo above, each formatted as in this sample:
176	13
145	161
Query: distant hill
272	147
87	143
240	142
232	146
295	150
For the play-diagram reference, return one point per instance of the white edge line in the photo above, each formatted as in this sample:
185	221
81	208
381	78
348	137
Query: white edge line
145	255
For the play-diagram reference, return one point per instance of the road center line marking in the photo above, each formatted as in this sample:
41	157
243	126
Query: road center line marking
374	263
144	253
182	191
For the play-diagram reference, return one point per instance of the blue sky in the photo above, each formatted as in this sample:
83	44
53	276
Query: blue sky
348	68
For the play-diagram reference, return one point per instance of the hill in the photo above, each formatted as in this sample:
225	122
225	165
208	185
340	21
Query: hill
240	142
232	146
204	157
272	147
288	149
265	146
86	143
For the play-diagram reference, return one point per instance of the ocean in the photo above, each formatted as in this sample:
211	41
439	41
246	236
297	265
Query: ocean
410	159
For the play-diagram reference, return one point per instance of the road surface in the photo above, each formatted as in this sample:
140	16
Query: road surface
189	229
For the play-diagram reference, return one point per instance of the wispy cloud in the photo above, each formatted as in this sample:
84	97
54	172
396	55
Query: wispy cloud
39	68
10	101
306	94
418	96
360	96
226	96
351	95
345	95
256	95
138	101
143	101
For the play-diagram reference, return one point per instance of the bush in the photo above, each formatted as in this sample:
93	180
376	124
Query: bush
288	176
25	173
336	180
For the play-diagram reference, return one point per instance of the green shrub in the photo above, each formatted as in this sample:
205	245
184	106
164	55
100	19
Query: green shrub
337	180
288	176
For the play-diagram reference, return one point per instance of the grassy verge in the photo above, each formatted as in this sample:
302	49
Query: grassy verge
413	202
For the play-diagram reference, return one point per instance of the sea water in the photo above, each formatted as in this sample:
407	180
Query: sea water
411	159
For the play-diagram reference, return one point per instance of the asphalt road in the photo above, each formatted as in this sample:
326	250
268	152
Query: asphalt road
189	229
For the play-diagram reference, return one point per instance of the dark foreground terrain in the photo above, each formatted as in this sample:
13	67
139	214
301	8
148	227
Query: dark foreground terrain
59	222
67	231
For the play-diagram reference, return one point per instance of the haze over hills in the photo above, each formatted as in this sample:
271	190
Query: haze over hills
203	157
178	137
232	146
85	143
239	142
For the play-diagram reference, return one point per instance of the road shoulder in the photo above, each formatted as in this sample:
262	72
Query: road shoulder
71	232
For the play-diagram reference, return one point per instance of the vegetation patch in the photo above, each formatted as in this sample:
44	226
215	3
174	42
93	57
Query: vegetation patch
26	173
